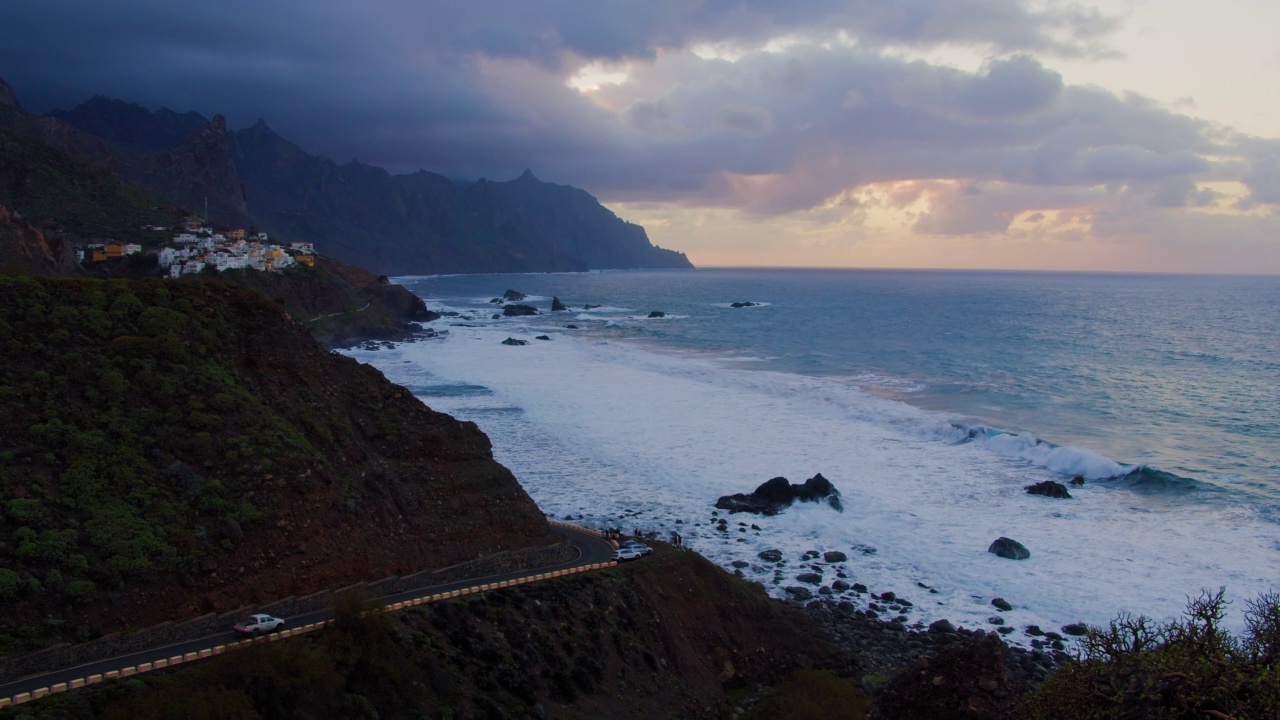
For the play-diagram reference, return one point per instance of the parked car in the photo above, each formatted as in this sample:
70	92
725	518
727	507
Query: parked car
623	554
637	546
258	624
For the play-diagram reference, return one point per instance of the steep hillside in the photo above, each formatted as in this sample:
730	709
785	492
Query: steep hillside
168	449
132	126
394	224
670	636
582	227
403	224
341	304
66	198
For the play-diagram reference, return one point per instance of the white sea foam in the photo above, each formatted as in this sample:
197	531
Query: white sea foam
625	436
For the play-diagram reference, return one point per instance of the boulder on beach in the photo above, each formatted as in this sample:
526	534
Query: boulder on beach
779	493
518	310
1049	488
513	341
770	555
556	305
1009	548
513	295
657	314
799	593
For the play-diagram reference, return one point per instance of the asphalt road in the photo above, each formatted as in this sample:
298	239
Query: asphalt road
591	550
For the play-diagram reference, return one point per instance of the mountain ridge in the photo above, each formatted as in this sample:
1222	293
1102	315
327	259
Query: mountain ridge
412	223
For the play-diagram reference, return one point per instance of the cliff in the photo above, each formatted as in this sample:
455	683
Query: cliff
417	223
170	449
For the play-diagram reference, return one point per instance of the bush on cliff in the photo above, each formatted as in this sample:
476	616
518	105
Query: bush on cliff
1188	667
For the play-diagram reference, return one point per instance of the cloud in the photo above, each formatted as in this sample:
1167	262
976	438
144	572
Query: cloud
766	109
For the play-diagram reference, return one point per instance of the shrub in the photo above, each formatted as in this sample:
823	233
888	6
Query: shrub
81	591
10	584
812	694
1188	667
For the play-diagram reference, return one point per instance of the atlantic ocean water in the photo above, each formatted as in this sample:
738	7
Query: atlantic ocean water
929	399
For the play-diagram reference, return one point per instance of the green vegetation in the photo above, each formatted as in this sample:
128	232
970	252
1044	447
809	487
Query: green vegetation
132	443
812	694
1187	668
60	194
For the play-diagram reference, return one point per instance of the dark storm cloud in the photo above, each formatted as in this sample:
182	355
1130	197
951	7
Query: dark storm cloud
479	89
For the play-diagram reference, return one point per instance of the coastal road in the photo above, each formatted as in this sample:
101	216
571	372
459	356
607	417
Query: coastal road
591	549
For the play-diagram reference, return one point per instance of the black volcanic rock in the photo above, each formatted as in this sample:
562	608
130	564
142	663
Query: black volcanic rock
196	173
556	305
519	310
1009	548
777	494
1049	488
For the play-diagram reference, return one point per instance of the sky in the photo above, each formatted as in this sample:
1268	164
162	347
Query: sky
1127	135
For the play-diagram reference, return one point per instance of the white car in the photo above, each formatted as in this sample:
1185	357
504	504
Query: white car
258	624
637	546
623	554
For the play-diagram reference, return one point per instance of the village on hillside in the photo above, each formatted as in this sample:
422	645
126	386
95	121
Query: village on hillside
198	246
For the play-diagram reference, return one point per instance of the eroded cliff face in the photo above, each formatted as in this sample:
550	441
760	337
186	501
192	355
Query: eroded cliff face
25	249
170	449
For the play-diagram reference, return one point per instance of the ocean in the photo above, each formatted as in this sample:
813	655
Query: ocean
929	399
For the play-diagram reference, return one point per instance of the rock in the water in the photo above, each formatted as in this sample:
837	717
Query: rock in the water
740	563
513	295
799	593
657	314
1049	488
839	586
517	310
1008	548
995	620
513	341
941	626
778	493
496	301
589	306
556	305
834	556
859	588
571	327
542	337
1077	480
811	578
770	555
1075	629
1001	604
747	303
